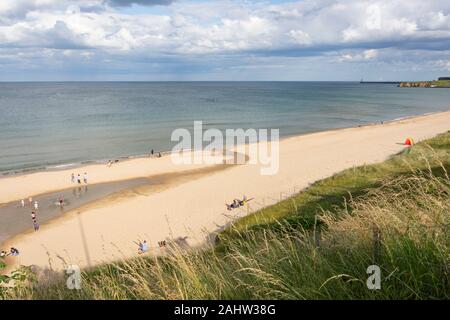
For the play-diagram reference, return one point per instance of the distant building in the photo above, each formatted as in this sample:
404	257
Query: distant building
444	78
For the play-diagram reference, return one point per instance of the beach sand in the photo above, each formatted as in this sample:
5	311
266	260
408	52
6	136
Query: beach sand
191	209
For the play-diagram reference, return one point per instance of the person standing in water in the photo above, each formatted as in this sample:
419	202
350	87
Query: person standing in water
85	178
61	201
22	203
73	178
30	200
79	179
36	205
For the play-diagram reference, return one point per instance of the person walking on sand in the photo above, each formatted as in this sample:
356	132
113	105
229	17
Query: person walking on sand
33	216
35	226
79	179
85	178
36	205
22	203
30	200
73	178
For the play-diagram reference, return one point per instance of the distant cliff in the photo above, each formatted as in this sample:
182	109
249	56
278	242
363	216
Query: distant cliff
426	84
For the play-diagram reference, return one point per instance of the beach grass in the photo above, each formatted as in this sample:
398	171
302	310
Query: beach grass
317	244
441	83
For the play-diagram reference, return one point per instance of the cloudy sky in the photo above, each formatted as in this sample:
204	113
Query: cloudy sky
224	40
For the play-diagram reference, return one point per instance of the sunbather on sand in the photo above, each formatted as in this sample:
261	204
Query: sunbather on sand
143	247
238	203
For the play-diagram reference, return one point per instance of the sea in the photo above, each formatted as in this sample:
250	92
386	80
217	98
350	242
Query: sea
52	125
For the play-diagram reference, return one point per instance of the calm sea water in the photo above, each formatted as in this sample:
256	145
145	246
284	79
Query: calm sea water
49	124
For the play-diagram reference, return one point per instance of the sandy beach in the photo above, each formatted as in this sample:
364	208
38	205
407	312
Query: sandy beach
191	208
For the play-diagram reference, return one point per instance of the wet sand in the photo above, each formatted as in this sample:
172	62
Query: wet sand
14	188
15	219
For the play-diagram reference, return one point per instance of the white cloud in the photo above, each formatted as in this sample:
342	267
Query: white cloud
370	54
360	56
300	37
444	64
352	30
275	27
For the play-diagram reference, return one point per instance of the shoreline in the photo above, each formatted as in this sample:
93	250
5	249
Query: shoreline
89	162
192	207
84	165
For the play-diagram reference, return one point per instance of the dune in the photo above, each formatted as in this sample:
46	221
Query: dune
192	209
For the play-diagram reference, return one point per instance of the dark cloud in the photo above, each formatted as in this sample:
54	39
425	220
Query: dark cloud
128	3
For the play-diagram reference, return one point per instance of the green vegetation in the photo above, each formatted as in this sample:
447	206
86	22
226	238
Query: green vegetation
441	83
314	245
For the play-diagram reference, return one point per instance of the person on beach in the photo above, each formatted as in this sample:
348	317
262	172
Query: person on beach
143	247
243	202
36	205
159	154
79	179
233	205
3	254
22	203
61	201
238	203
35	226
162	244
30	200
33	216
85	178
14	252
73	178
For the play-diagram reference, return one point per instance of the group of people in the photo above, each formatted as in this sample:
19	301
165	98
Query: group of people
12	252
110	163
143	246
35	206
30	202
78	178
152	153
238	203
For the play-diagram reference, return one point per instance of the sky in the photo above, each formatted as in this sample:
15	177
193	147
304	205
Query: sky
196	40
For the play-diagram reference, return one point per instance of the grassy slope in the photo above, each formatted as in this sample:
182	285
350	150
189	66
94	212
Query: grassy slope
275	253
335	191
441	83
